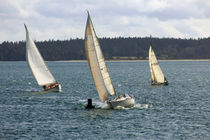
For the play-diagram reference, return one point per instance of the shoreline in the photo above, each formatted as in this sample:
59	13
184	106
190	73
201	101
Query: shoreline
123	60
135	60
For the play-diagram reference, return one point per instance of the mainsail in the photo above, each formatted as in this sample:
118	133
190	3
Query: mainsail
96	63
156	72
36	63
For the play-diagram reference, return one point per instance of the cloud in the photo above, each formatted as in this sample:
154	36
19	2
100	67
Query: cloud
64	19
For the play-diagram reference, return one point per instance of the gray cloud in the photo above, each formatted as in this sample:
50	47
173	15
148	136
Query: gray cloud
64	19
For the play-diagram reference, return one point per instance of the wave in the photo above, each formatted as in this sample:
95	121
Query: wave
142	106
99	105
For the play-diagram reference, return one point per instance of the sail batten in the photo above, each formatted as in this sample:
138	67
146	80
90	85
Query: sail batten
156	72
96	63
36	63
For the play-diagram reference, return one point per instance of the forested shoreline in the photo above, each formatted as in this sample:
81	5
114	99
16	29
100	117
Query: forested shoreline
131	48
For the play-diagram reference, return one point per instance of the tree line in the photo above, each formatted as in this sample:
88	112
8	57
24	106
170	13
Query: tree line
113	49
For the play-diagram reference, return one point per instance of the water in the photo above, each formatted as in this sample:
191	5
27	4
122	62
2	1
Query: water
178	111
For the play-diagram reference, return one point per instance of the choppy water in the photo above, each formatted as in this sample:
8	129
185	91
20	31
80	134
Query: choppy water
178	111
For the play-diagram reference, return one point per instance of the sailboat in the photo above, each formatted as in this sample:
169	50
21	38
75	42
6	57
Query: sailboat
100	72
38	67
157	76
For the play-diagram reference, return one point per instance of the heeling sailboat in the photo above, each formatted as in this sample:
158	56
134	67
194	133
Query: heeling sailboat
38	67
157	76
100	72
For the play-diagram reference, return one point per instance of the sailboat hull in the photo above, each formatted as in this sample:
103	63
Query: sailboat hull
56	88
126	102
159	84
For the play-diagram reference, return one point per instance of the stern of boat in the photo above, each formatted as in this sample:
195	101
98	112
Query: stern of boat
59	87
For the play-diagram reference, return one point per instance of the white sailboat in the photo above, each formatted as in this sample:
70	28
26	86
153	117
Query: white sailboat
100	72
38	67
157	76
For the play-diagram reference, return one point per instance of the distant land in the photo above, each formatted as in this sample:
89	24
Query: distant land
131	48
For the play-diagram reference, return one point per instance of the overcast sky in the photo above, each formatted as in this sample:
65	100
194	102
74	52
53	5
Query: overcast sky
65	19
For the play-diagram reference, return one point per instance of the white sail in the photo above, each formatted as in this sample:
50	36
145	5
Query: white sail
156	72
36	63
150	65
96	62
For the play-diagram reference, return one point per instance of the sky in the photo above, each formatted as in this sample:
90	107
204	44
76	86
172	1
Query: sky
65	19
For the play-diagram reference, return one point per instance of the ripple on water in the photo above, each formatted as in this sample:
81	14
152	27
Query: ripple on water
177	111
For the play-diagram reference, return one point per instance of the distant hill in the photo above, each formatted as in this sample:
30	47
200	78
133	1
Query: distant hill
113	49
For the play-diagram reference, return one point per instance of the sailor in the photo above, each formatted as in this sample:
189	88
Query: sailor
45	87
89	105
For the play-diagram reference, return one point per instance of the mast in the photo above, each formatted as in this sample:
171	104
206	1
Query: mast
96	63
36	63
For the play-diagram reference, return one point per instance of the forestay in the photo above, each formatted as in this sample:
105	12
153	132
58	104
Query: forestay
96	62
156	72
36	63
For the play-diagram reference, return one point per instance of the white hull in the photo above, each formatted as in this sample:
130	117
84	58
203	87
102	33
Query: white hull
126	102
